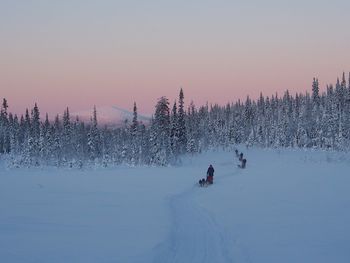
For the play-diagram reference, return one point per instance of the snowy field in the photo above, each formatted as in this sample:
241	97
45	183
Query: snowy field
287	206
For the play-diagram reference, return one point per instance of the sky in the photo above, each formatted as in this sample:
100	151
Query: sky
80	53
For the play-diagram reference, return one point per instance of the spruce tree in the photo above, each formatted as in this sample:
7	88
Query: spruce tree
181	123
174	130
161	132
4	127
315	92
67	146
134	158
94	138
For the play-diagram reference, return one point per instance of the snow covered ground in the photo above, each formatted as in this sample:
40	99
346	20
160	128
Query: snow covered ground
287	206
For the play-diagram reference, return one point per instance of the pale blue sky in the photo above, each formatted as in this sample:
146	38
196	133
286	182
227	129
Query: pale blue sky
115	52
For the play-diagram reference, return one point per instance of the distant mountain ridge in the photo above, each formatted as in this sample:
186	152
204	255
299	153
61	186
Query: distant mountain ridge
110	115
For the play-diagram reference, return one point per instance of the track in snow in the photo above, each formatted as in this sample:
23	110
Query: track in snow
194	237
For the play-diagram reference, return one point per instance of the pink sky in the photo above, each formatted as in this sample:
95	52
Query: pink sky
90	53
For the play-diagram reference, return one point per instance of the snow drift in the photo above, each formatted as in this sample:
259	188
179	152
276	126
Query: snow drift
286	206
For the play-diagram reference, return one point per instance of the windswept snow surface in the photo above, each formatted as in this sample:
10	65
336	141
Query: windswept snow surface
286	206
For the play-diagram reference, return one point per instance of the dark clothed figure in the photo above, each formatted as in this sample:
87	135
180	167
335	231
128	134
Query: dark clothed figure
241	157
210	174
243	164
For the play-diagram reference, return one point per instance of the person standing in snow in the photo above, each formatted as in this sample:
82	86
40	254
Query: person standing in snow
210	174
243	163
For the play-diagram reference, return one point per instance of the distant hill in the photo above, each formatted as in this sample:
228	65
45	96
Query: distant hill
110	115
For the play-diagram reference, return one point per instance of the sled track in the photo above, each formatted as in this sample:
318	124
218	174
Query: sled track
195	236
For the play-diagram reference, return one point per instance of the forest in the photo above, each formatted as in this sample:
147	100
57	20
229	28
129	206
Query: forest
311	120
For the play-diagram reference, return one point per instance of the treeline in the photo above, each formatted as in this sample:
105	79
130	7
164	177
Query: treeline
313	120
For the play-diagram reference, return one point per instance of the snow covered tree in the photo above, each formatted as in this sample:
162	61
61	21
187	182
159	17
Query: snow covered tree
181	124
94	138
192	129
174	132
161	133
134	130
315	92
57	143
35	122
67	146
4	123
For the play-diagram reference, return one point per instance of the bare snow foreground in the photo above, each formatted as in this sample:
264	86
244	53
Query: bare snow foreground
287	206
